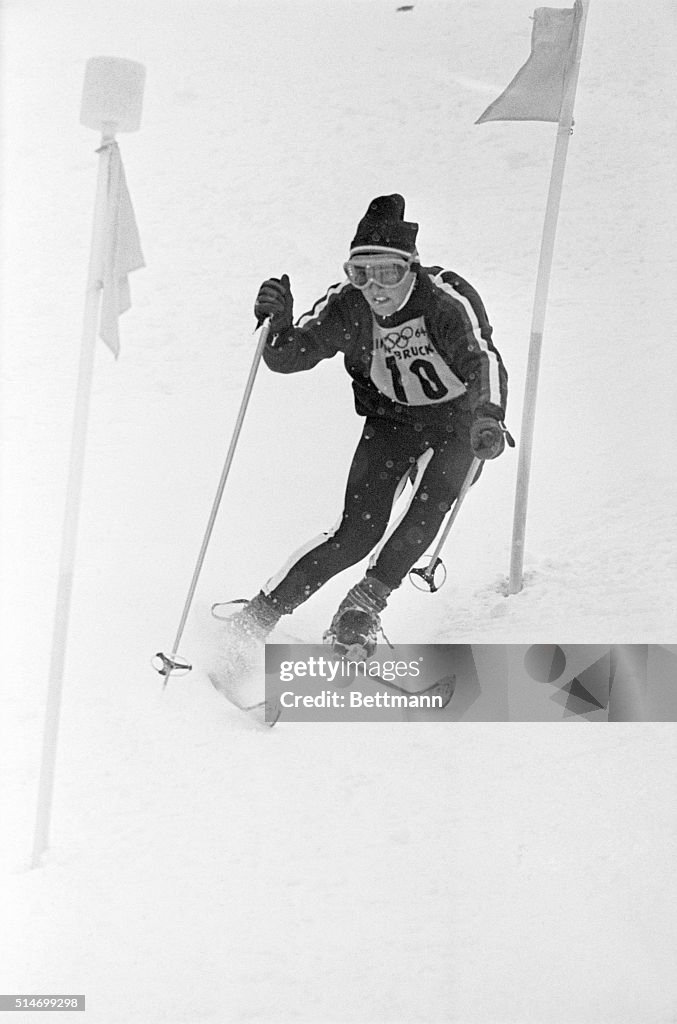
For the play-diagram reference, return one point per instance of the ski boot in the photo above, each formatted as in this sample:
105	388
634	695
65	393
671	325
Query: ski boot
353	633
254	621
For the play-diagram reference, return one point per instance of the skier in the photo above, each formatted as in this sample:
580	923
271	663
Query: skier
432	389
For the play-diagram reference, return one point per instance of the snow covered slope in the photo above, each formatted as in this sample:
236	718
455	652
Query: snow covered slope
204	871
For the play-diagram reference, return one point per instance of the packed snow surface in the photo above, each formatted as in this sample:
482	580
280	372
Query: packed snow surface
201	870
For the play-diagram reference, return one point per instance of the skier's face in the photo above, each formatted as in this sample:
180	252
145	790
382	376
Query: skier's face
386	301
384	278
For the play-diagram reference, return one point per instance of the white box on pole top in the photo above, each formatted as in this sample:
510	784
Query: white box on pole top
112	95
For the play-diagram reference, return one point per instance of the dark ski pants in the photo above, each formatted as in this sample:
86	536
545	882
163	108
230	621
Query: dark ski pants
386	455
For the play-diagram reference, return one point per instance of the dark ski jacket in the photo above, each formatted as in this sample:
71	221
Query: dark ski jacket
432	362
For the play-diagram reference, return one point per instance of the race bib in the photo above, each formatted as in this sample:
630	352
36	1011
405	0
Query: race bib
408	369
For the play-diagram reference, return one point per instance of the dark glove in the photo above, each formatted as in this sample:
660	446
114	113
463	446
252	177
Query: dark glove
486	437
275	300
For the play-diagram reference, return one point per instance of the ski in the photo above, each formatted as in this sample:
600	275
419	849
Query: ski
267	712
443	688
257	712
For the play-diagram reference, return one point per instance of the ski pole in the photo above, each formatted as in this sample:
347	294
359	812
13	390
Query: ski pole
428	574
163	663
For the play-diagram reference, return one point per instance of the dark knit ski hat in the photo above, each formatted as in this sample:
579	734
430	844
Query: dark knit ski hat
383	227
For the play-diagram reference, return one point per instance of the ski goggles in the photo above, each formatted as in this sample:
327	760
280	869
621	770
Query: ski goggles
386	271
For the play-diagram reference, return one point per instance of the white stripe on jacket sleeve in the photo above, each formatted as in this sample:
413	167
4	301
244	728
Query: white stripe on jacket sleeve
492	359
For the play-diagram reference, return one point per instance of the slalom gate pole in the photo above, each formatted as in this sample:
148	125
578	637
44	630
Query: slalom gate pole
428	574
564	131
72	511
166	664
111	102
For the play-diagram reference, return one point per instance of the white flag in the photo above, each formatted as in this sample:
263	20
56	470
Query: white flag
537	90
122	251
